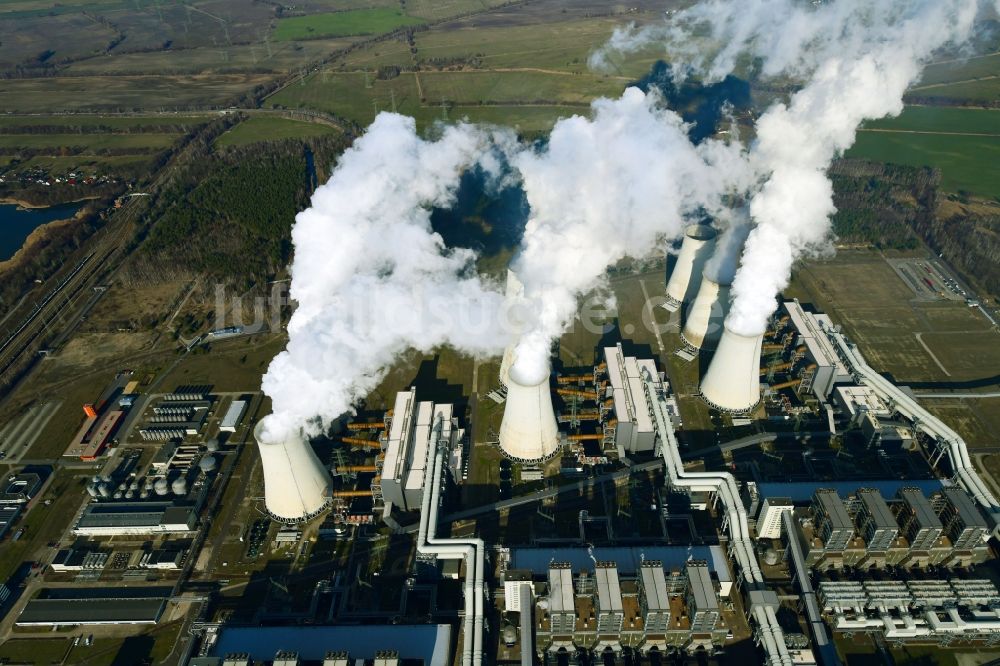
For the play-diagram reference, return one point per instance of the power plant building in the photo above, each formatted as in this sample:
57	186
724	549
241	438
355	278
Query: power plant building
830	369
403	470
769	521
135	518
634	430
876	523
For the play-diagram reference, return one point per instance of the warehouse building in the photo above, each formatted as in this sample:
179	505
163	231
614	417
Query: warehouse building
234	415
118	518
57	607
20	488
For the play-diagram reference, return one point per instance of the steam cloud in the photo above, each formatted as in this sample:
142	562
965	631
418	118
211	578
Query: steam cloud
618	184
621	183
372	279
859	58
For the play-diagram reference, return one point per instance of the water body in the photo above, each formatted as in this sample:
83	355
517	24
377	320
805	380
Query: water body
15	225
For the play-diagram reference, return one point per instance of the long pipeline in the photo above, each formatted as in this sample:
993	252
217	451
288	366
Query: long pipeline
724	484
922	420
472	550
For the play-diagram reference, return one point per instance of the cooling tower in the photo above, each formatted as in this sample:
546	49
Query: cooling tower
732	382
528	431
706	315
697	247
296	485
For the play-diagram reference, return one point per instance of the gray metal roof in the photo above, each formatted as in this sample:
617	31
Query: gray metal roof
878	509
701	586
963	504
561	588
802	491
921	507
609	592
92	611
834	508
654	586
628	559
429	642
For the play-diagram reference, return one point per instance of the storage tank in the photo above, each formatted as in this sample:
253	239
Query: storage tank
206	464
103	490
528	431
179	486
296	485
161	487
212	445
92	490
707	315
117	495
696	248
732	382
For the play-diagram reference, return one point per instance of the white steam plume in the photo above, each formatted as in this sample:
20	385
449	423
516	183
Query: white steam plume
859	58
370	277
721	266
618	184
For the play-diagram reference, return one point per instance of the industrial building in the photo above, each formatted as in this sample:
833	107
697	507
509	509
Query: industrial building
830	369
633	424
769	522
55	607
917	610
118	518
95	434
20	488
296	485
685	279
865	530
234	415
410	433
601	609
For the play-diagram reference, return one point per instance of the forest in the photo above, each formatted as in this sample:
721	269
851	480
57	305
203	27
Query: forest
228	216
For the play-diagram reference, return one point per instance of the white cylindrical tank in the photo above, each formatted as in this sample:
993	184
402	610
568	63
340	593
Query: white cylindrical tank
92	490
161	487
296	485
696	248
207	463
732	382
179	486
528	431
707	315
212	445
103	490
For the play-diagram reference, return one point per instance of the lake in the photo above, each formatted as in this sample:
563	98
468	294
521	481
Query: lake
15	225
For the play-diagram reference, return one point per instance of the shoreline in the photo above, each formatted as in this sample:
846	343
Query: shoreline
37	235
27	205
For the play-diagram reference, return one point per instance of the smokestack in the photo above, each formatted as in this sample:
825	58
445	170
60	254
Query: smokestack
528	431
732	382
296	485
707	315
697	247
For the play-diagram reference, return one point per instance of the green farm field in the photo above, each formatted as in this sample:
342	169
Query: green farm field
532	101
342	24
123	93
967	162
941	119
258	129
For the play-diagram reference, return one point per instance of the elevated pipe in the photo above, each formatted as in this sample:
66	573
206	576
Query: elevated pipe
724	485
922	420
